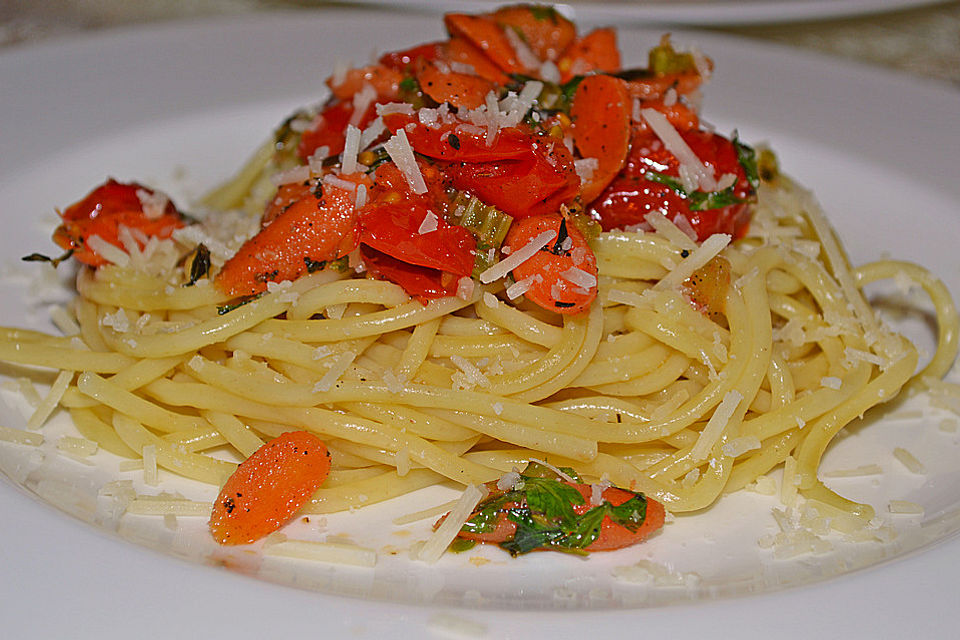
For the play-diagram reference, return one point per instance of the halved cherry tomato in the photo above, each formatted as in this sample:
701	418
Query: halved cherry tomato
521	174
545	31
459	49
329	130
535	184
595	52
269	487
319	226
403	60
601	128
394	229
484	33
458	89
553	286
632	195
103	212
423	283
429	264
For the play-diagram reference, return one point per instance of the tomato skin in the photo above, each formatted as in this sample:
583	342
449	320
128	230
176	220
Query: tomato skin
427	265
465	146
393	229
422	283
631	195
403	60
329	129
103	212
537	183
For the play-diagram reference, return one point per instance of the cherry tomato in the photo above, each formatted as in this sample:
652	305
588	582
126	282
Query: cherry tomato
104	211
632	195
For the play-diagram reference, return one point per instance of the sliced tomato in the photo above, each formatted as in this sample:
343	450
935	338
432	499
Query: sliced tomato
316	227
632	194
385	80
553	287
395	229
329	129
459	143
461	90
422	283
545	31
484	33
534	184
404	60
595	52
105	211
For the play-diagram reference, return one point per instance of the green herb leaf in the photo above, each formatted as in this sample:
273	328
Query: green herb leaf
631	514
698	200
748	160
553	498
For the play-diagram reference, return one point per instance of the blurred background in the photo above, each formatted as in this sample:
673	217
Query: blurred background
919	37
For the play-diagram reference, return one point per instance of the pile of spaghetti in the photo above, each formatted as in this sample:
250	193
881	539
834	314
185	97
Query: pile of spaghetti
479	252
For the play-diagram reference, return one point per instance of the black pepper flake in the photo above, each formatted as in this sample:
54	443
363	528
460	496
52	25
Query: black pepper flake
684	253
562	304
454	141
229	505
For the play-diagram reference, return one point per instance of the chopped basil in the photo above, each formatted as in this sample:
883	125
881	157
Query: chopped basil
699	200
39	257
227	308
541	505
544	12
748	160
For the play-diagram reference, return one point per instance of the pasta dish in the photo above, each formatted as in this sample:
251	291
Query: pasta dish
484	261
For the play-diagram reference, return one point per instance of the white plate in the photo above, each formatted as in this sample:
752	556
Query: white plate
684	12
195	98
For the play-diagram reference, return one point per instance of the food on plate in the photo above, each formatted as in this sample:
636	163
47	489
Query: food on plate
499	251
549	508
269	487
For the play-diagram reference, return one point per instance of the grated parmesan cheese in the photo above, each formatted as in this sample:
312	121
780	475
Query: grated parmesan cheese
579	277
518	257
332	552
676	145
18	436
50	402
710	248
109	252
856	472
905	507
437	543
339	366
149	454
908	460
429	223
402	155
351	147
473	374
715	426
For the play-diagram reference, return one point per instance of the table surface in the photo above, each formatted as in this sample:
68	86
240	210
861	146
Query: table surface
923	41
